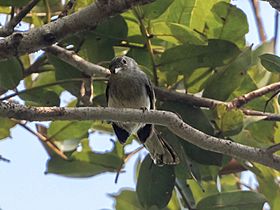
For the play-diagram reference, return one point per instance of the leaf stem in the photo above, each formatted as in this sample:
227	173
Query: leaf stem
147	37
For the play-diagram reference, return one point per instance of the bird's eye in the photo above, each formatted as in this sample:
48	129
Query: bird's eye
124	61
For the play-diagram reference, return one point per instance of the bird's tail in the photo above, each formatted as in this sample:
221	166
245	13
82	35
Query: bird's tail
161	152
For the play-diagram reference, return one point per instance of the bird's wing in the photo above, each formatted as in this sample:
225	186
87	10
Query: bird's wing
107	91
151	94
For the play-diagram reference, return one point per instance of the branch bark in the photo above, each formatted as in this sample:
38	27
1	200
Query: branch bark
164	118
75	60
86	19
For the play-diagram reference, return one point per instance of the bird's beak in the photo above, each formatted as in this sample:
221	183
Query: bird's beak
116	70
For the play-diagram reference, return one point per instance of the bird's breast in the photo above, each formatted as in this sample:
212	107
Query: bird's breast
128	92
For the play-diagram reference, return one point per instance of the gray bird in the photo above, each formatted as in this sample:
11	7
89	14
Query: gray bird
129	87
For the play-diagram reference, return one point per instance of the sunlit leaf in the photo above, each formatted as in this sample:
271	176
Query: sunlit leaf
63	130
239	200
226	23
5	126
127	200
271	62
176	33
229	122
155	9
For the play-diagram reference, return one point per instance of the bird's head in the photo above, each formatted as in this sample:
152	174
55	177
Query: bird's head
122	64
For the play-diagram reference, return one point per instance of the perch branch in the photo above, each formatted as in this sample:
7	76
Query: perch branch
164	118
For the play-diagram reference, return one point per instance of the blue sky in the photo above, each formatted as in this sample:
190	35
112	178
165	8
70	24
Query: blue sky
25	187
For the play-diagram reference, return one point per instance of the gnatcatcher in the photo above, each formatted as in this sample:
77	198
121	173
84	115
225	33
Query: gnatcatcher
129	87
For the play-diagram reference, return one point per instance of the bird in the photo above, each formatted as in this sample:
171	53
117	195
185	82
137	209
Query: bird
130	87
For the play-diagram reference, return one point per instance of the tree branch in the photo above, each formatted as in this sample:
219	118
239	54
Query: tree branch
46	141
165	95
256	8
9	26
241	100
75	60
164	118
86	19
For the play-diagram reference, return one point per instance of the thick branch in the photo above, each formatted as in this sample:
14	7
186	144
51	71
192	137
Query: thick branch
86	19
164	118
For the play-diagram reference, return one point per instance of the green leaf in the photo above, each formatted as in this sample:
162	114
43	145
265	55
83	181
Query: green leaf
63	130
271	62
11	73
227	79
40	97
5	126
239	200
229	122
127	200
155	184
200	12
98	45
16	3
47	78
85	163
229	23
65	71
187	57
155	9
176	33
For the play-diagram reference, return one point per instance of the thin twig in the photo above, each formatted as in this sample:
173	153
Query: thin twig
35	67
125	159
41	86
9	26
67	8
4	159
256	8
49	143
276	30
274	148
242	100
147	37
267	116
47	5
